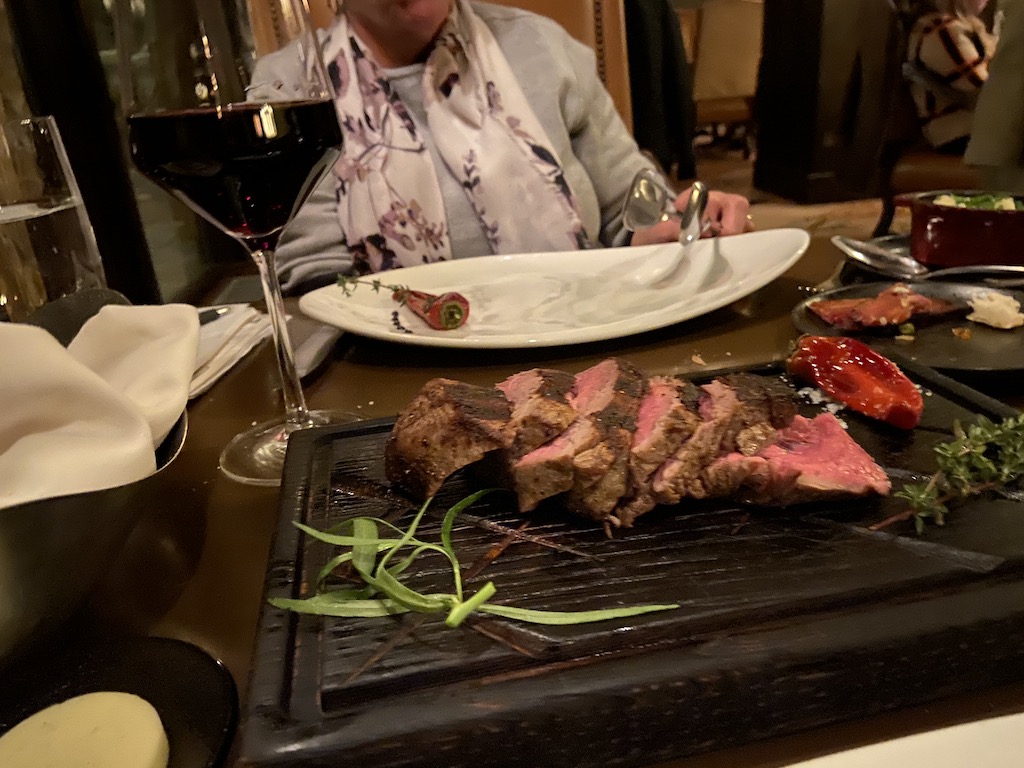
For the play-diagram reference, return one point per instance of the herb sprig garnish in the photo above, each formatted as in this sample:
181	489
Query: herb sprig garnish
984	457
349	283
379	560
444	312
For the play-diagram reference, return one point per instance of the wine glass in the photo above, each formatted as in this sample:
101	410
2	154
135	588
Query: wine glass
231	110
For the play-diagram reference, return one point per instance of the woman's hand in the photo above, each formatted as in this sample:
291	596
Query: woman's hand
729	214
726	214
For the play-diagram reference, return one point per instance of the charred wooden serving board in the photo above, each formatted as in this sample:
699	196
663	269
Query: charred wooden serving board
789	619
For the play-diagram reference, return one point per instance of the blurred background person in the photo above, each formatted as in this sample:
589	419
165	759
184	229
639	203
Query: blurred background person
950	48
997	136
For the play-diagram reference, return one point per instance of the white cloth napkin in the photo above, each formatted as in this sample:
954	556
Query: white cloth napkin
225	341
90	416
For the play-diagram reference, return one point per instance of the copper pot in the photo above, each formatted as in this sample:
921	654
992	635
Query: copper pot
944	236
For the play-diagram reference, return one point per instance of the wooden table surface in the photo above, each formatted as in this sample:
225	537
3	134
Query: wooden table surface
194	567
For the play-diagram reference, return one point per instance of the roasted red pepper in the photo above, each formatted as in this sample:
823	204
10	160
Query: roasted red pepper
854	374
443	313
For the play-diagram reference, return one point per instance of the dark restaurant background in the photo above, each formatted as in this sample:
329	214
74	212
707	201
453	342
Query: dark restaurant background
60	58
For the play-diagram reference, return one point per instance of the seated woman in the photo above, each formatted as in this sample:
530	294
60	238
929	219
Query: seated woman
950	45
470	129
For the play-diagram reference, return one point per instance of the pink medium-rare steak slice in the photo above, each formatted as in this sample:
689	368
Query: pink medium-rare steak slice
447	426
601	476
585	459
810	460
548	471
667	417
680	476
540	407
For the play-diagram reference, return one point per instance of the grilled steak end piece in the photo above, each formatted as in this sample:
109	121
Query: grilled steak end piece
447	426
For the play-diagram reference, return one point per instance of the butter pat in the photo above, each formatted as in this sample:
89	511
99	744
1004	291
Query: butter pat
96	730
996	309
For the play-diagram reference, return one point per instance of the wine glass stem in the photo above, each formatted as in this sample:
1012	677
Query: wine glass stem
296	412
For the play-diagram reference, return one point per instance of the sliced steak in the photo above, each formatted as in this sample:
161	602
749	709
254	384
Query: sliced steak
549	470
447	426
667	416
810	460
767	404
721	414
610	393
588	461
540	407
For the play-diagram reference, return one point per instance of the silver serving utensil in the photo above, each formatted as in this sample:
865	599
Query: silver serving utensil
892	263
649	203
898	263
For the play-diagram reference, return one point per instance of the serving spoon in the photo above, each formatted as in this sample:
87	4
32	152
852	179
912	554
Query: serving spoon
899	264
649	203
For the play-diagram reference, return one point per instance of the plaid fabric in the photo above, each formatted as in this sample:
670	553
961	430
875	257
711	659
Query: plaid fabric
956	50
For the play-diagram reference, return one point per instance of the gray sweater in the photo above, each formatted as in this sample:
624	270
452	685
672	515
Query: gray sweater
559	78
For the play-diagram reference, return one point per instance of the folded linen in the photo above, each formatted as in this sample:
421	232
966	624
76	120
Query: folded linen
90	416
225	341
146	353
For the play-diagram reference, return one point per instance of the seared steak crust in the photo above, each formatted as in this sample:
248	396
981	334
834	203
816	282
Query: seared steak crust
540	407
449	425
602	471
767	405
681	475
667	417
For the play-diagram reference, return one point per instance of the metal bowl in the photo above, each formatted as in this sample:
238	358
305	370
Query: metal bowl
53	552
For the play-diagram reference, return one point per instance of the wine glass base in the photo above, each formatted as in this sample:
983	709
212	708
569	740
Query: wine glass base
256	456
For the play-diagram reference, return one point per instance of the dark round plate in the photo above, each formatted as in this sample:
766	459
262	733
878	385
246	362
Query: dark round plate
193	693
935	345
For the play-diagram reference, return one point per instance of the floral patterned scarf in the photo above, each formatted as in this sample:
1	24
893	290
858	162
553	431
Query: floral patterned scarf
389	200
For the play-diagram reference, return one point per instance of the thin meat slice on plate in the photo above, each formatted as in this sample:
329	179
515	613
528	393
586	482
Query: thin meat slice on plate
894	306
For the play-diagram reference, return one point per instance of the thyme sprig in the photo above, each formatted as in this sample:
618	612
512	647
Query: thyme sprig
375	560
349	283
983	457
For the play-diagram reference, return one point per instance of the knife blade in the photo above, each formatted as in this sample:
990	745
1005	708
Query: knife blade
209	315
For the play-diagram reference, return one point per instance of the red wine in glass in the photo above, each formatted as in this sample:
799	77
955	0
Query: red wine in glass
245	167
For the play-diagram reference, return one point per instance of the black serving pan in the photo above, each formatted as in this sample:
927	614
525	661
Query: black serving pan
935	344
790	619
